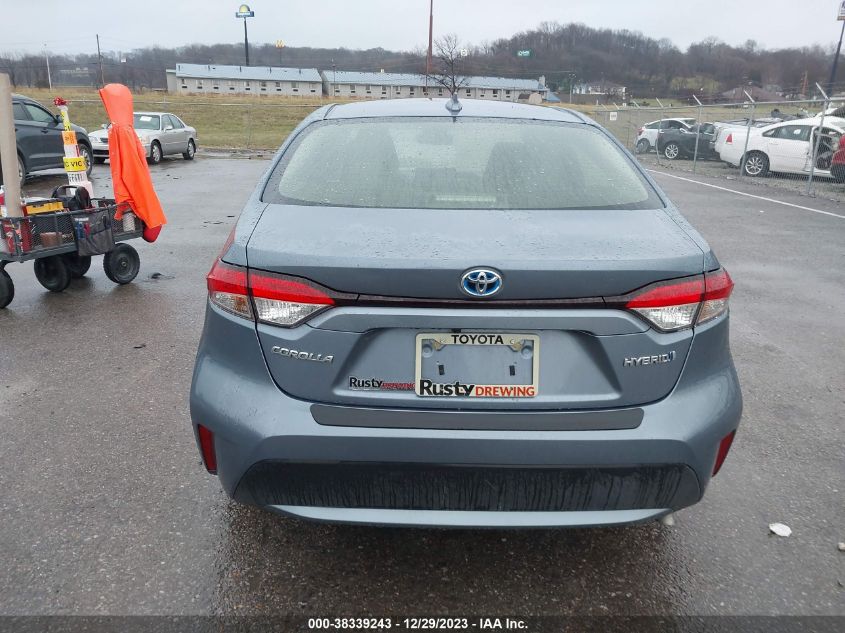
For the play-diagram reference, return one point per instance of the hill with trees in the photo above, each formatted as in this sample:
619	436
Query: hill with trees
563	53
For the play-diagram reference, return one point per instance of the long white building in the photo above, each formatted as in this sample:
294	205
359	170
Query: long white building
256	80
363	85
309	82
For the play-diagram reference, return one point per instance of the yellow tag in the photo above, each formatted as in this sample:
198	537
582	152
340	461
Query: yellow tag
75	164
69	138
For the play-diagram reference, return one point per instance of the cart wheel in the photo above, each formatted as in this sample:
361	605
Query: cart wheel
122	264
52	273
77	264
7	289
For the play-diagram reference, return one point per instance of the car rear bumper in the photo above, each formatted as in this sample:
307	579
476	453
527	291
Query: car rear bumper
272	452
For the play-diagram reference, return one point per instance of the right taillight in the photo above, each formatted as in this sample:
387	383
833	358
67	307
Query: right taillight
681	303
265	297
718	286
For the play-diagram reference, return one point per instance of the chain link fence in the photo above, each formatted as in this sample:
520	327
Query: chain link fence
794	145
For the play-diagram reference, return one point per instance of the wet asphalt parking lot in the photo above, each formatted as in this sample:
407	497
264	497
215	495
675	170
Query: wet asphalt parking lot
105	508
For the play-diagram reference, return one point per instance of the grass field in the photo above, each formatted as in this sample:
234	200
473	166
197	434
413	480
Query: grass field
262	122
222	121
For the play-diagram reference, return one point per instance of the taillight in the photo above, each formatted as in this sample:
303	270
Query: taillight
209	455
730	139
284	301
718	286
227	289
722	453
640	131
265	297
669	305
680	303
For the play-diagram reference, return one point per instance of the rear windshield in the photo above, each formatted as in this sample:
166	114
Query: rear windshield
466	163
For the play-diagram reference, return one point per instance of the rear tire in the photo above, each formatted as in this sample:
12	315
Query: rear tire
7	289
77	264
643	146
122	264
188	154
52	273
672	151
21	172
756	164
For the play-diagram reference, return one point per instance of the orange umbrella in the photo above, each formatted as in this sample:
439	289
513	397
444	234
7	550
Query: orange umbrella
130	174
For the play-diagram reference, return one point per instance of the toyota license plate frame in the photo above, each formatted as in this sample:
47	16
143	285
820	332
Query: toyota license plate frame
513	352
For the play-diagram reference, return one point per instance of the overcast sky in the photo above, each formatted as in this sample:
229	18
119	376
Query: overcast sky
400	24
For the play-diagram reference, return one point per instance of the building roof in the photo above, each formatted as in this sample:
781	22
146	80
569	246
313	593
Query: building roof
257	73
413	79
437	108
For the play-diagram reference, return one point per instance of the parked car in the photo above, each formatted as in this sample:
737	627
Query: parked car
38	133
723	128
161	134
681	142
426	316
785	147
647	134
837	163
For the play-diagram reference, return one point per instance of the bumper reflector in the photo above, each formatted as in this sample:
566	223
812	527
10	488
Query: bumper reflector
209	457
724	447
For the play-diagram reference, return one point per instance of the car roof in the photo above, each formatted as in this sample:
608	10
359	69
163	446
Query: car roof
150	113
437	108
830	121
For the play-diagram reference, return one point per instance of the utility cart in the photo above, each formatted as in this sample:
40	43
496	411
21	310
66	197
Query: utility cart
62	244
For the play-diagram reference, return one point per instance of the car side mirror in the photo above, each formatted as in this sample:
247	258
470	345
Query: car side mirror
168	127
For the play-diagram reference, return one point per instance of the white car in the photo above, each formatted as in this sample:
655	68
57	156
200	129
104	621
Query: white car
647	134
161	133
784	147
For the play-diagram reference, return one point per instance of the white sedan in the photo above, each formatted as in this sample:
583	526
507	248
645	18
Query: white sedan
785	147
161	133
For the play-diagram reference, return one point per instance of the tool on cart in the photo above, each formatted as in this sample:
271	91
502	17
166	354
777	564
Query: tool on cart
75	167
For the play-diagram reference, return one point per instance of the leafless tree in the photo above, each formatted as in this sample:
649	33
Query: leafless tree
448	64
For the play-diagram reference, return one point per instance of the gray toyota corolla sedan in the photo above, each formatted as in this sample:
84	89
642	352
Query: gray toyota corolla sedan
485	314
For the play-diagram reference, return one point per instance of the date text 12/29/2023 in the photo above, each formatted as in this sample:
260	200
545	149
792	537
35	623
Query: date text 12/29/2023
417	624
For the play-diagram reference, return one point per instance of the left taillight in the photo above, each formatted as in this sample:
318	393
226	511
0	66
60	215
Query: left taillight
285	301
681	303
265	297
228	289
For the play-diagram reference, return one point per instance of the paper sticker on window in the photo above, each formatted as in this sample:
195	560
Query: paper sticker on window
146	119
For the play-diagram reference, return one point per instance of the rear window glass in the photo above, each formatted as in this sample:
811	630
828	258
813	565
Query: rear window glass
467	163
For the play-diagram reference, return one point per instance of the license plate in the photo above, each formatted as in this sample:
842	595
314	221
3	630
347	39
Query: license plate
477	365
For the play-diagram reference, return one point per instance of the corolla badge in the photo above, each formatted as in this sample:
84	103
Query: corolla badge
481	282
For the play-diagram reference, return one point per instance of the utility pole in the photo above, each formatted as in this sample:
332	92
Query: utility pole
47	57
100	62
830	81
430	42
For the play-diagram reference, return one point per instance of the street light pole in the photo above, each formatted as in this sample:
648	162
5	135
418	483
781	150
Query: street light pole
245	12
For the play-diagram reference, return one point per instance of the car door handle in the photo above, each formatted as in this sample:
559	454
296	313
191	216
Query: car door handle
45	131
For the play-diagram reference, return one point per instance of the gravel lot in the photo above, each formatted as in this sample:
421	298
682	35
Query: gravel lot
106	509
